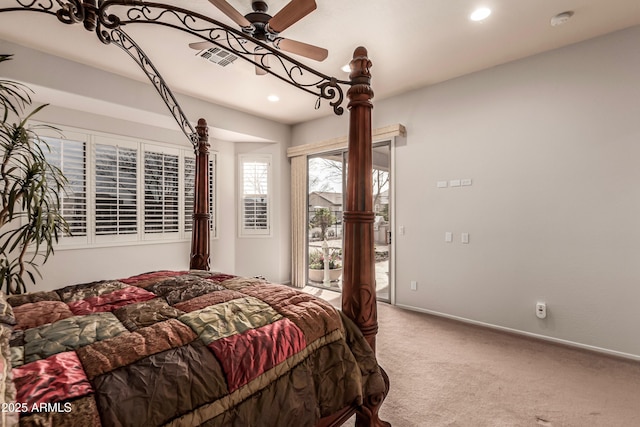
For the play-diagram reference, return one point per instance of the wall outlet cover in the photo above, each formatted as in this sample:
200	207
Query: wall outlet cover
541	310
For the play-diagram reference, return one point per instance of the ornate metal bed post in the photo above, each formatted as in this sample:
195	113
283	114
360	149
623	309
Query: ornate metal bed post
200	241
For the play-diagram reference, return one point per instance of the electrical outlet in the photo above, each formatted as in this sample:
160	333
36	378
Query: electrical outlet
541	310
414	285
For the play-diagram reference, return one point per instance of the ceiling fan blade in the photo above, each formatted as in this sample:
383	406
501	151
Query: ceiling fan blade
303	49
260	71
200	45
231	42
290	14
261	59
232	13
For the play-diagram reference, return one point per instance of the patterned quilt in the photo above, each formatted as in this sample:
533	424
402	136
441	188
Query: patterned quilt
180	349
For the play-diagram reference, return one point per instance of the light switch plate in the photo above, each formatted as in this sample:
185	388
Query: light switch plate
454	183
464	237
466	182
448	237
441	184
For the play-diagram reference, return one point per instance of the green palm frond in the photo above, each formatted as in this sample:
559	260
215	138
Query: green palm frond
30	188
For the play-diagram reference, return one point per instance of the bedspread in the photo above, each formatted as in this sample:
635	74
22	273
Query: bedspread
184	349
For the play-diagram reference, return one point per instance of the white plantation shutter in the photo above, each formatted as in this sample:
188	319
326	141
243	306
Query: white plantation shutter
189	187
116	177
122	190
70	157
189	190
161	193
254	205
212	194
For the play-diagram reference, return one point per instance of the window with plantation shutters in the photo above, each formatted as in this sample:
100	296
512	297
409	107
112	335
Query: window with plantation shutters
189	187
70	157
124	191
254	204
116	178
161	193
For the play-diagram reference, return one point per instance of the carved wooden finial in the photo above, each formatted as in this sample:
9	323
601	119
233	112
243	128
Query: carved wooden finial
203	129
360	91
360	65
203	137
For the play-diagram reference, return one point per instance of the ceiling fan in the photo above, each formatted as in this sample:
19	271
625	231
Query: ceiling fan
266	28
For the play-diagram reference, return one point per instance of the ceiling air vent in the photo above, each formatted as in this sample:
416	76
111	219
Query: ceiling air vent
218	56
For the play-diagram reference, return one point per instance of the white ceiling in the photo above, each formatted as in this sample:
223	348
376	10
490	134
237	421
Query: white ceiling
412	43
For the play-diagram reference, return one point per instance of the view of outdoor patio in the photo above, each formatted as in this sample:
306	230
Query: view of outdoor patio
325	207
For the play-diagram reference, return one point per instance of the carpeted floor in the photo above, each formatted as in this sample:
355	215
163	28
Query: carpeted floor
447	373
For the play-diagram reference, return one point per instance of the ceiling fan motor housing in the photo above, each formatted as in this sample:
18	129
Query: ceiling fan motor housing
259	18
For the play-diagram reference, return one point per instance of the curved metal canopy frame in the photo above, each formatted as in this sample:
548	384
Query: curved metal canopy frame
107	19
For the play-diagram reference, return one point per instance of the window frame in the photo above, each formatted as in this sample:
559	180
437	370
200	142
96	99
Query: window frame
163	235
80	137
213	194
93	138
249	232
92	169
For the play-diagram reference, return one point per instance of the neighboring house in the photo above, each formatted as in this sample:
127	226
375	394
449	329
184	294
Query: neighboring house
381	202
328	200
333	201
324	199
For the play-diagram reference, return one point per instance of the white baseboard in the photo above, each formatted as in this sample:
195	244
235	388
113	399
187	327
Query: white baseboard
606	351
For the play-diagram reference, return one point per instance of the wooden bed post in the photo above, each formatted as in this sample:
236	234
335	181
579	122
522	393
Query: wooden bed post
359	288
359	275
200	241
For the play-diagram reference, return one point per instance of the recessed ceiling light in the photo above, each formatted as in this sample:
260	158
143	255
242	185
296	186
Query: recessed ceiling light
273	98
480	14
561	18
346	68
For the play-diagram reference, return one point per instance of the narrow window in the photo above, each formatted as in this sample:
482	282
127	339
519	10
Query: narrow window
254	204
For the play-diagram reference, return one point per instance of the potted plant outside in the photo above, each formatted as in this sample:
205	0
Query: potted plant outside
316	265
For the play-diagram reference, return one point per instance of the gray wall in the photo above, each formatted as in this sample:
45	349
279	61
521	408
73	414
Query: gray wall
551	144
92	99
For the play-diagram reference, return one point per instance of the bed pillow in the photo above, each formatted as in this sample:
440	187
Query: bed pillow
6	312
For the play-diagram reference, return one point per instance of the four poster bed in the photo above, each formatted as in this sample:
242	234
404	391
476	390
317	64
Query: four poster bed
187	348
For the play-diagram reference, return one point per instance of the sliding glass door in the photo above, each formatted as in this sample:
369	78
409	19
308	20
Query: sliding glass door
325	206
326	198
382	222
